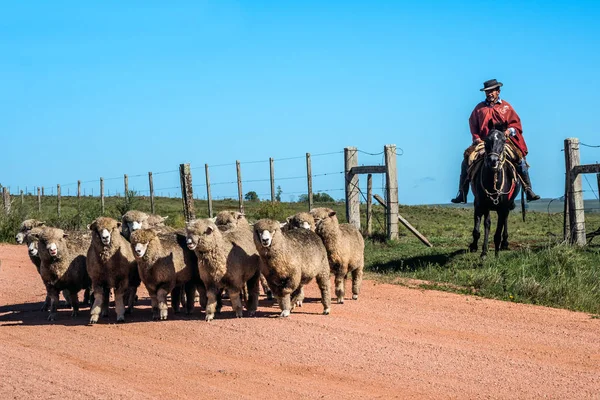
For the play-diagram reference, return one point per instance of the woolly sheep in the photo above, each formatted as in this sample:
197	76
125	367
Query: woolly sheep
111	264
289	260
133	220
62	267
300	220
26	226
345	250
228	220
165	265
226	260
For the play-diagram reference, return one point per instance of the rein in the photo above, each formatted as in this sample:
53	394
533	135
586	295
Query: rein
495	194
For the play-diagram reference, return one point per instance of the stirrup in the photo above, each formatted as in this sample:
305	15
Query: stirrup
460	198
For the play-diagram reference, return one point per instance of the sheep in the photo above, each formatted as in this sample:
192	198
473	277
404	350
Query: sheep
133	220
345	250
111	264
289	260
62	267
300	220
229	220
26	226
165	265
226	260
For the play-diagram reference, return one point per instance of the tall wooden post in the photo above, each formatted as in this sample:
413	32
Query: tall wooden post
23	197
151	182
187	192
352	190
208	194
309	181
39	197
101	194
58	199
78	203
272	180
43	192
6	198
575	194
126	184
239	183
369	204
566	219
391	180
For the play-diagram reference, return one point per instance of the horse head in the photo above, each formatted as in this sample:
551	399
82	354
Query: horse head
494	145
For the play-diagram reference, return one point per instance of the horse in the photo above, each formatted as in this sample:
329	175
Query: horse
495	187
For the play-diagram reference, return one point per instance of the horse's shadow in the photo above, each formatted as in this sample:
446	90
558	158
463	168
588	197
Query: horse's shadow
419	262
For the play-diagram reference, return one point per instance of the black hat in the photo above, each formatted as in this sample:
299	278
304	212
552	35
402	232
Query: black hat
491	84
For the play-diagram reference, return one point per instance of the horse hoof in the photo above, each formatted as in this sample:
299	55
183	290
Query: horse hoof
483	257
472	249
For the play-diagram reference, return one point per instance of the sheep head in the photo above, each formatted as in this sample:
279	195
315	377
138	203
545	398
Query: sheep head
324	218
202	235
140	240
301	220
227	220
26	226
104	229
265	230
52	243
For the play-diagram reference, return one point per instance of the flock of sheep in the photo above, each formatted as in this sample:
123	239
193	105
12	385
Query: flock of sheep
211	256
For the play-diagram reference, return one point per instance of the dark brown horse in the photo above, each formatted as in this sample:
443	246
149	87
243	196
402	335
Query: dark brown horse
495	187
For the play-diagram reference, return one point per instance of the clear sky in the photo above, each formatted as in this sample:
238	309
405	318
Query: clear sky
103	89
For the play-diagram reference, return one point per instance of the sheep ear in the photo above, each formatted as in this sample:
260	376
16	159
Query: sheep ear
164	218
91	226
288	219
118	224
239	215
209	230
65	235
282	224
213	219
332	213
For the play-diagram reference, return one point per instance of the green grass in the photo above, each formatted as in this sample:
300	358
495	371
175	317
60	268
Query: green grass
537	269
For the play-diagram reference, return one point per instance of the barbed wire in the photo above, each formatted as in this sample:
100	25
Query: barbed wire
589	145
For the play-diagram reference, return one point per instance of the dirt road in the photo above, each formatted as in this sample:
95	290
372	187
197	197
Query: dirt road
393	342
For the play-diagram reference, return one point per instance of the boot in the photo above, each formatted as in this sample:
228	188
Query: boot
463	185
524	175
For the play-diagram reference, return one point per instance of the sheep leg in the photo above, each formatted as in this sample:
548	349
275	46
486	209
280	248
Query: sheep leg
357	276
213	294
236	302
284	305
190	295
130	296
53	294
265	287
120	303
67	295
219	300
340	280
74	303
46	304
99	303
176	298
296	297
253	293
86	296
154	303
201	294
161	296
324	286
105	302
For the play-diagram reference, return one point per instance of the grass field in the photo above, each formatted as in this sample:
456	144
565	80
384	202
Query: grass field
537	269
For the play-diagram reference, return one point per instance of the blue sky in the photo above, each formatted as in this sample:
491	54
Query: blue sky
90	90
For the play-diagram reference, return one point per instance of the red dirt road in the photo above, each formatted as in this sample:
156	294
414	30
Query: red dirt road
394	342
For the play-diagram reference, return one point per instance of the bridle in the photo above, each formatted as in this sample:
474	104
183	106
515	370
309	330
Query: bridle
495	194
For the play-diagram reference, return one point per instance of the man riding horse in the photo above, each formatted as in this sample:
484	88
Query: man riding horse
497	111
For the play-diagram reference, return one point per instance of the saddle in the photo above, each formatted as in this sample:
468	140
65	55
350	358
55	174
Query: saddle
476	153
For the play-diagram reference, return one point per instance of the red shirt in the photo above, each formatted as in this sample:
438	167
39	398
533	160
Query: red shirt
502	111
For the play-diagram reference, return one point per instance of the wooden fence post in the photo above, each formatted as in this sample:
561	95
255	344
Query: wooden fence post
6	198
79	204
208	194
101	194
43	192
309	181
39	196
126	184
23	197
391	181
352	190
369	204
272	179
151	182
58	200
575	194
239	183
187	192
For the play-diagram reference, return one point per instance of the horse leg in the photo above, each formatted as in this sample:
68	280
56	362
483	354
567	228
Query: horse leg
477	222
487	223
504	244
499	229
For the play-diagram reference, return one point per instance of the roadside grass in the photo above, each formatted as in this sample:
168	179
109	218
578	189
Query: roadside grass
538	268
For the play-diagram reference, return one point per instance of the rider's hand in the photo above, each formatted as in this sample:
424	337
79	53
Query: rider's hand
507	133
477	141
